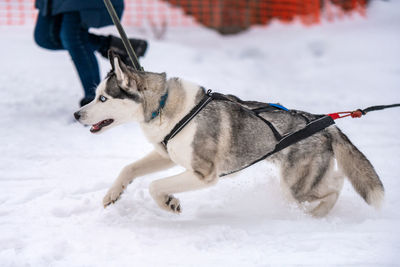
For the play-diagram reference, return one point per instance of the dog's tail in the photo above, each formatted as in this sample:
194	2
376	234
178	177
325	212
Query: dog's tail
358	170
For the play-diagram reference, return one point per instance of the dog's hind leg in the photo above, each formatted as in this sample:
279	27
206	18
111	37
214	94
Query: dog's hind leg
312	180
153	162
322	190
162	190
327	193
326	203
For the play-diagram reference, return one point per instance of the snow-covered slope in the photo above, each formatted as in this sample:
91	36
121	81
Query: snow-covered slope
54	173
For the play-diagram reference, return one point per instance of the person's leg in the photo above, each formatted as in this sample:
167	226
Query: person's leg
47	32
75	38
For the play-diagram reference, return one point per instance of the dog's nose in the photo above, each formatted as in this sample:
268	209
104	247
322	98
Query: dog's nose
77	115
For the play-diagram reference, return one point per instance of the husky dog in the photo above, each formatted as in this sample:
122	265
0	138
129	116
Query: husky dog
223	137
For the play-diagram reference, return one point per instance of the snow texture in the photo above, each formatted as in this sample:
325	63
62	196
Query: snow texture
54	172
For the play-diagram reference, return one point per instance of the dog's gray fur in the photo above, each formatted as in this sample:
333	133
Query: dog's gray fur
223	137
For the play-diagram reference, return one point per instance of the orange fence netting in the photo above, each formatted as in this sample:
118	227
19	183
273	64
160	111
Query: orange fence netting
226	16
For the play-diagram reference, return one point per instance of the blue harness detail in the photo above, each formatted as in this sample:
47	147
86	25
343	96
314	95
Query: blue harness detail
161	105
278	106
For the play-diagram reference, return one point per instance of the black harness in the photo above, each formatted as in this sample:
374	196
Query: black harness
312	127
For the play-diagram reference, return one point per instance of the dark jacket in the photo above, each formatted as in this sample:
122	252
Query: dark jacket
93	12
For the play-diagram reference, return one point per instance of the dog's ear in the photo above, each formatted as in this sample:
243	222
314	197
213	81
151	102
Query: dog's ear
111	56
117	65
120	69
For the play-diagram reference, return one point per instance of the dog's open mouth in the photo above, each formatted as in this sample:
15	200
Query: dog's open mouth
98	126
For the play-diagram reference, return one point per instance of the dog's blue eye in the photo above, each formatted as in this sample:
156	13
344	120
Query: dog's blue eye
102	98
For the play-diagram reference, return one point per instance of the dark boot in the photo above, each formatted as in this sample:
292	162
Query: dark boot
84	101
117	46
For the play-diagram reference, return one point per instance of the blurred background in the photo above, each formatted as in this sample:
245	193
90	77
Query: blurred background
225	16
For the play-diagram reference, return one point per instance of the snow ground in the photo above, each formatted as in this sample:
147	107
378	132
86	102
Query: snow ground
54	173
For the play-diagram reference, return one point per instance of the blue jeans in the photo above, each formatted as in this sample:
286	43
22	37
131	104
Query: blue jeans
66	32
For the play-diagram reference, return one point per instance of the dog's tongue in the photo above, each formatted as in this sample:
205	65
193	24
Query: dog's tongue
96	126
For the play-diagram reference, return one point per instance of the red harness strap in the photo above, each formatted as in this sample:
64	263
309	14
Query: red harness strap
354	114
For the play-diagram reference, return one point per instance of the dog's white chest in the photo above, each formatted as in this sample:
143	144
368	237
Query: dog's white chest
180	147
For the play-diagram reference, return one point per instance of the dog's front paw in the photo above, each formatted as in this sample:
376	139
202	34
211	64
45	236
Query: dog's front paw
172	204
112	195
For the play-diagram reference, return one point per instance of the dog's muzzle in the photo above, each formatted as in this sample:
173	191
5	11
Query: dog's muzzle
77	115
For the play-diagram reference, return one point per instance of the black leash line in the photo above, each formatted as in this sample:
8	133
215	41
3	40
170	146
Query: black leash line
373	108
125	41
359	112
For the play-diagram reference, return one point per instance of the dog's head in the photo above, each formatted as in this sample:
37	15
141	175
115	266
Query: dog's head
124	95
